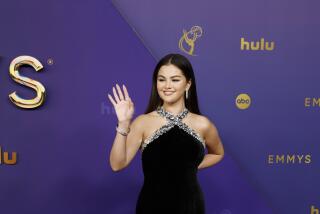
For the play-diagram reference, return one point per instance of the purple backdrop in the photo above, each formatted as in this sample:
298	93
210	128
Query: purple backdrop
63	146
278	122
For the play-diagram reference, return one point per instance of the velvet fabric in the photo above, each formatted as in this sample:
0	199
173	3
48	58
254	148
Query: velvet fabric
170	165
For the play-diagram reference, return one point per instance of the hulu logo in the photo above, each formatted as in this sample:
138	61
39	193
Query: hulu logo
4	157
314	210
256	46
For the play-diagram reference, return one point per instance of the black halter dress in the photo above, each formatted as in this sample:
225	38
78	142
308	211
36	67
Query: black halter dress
170	159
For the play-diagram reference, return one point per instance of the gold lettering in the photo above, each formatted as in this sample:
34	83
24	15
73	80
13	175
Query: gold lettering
244	44
271	47
262	43
307	102
314	210
255	46
279	158
316	102
290	158
270	159
308	159
11	161
300	158
37	86
6	160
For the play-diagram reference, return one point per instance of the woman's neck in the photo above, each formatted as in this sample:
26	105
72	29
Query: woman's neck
174	109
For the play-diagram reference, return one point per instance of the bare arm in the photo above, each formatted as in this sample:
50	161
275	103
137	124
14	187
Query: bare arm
124	148
214	145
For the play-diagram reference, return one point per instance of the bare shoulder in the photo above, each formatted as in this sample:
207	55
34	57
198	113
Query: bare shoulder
138	122
149	117
199	120
152	114
139	119
203	123
143	120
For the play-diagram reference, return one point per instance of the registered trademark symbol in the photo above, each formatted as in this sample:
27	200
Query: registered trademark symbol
50	61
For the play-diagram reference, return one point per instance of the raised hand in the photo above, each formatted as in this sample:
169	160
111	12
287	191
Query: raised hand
122	104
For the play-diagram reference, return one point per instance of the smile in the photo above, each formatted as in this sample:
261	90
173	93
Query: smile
168	93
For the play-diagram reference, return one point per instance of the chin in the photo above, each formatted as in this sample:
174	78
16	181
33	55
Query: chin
169	100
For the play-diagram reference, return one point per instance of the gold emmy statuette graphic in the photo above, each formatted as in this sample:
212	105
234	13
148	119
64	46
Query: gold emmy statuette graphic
37	86
189	38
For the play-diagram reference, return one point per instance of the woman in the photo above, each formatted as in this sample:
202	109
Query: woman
172	136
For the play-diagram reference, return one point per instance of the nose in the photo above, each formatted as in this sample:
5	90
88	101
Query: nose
168	84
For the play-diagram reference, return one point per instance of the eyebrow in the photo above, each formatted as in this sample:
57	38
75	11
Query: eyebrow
171	76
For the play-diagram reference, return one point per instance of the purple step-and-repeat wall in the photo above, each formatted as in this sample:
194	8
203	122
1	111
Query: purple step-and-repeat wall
257	72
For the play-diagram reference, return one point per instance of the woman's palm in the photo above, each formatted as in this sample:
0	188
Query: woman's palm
122	104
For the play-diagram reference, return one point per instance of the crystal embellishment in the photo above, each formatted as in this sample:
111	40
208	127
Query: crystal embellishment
172	121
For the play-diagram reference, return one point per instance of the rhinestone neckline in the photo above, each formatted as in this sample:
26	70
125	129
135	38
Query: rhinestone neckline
170	116
172	121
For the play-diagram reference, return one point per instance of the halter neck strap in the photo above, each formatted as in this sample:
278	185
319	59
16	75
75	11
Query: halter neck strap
162	112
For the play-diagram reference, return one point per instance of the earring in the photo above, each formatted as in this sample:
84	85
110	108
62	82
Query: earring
186	94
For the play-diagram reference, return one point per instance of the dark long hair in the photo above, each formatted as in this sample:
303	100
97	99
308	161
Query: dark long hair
185	66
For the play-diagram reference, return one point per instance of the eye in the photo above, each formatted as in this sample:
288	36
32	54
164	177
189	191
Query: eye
176	80
161	80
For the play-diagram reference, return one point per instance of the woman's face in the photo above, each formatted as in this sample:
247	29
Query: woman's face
171	83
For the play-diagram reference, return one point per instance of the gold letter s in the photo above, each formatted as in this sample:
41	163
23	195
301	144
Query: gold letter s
37	86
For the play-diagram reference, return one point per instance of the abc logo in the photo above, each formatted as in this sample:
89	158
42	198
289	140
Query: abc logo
243	101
